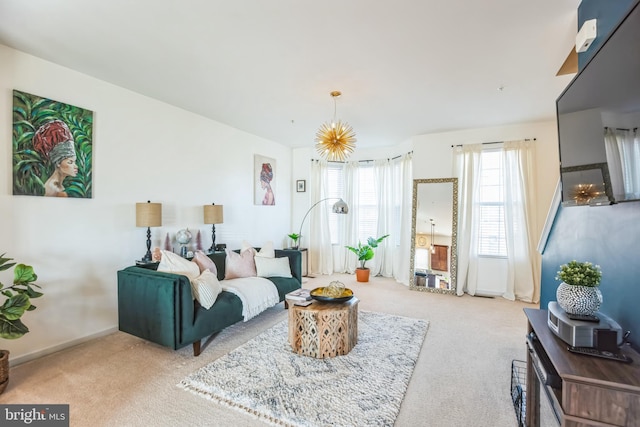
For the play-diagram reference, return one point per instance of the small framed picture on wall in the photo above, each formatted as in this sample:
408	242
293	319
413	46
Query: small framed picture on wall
301	186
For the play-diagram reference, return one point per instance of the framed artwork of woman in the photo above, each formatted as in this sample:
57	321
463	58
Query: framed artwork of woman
264	180
52	148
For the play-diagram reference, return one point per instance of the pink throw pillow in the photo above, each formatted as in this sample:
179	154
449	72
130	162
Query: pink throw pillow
239	265
204	262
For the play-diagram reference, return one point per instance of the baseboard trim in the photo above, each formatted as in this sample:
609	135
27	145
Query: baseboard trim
41	353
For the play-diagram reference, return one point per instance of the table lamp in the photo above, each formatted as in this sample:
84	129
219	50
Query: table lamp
213	215
148	215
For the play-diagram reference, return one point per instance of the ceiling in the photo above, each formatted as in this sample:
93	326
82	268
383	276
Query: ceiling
405	68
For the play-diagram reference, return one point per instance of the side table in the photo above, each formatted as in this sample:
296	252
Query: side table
324	329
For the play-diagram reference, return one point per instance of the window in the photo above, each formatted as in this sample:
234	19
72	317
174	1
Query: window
335	189
490	205
366	200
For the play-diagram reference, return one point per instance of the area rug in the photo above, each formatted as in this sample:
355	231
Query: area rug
266	379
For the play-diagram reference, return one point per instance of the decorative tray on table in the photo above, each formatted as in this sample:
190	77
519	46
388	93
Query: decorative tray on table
326	294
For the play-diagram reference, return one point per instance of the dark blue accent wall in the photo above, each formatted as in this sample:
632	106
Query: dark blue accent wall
608	13
605	235
610	237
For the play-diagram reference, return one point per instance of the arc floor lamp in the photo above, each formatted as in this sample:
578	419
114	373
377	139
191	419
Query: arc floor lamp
339	207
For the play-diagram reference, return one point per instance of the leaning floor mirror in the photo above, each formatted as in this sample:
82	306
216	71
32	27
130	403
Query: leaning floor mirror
434	235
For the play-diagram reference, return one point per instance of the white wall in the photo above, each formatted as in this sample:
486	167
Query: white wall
143	150
433	158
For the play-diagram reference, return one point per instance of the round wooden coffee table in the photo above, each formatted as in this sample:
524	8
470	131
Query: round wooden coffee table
324	329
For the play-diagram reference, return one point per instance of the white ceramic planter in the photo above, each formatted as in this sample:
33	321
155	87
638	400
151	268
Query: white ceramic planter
579	299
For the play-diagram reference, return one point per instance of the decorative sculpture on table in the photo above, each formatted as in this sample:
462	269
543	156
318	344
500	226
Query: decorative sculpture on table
183	237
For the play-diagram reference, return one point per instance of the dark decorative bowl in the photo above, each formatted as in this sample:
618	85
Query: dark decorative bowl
318	295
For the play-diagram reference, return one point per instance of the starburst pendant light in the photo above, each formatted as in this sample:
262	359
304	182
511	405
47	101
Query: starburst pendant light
335	140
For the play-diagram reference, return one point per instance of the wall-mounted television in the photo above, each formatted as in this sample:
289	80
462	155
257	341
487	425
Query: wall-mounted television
599	122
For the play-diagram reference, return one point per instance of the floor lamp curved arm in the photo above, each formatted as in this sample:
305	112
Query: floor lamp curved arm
339	207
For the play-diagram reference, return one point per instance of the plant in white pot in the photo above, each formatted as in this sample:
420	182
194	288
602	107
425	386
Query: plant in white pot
578	292
17	301
364	254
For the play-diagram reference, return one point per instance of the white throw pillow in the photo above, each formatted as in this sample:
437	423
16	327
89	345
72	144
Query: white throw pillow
273	267
267	251
206	288
246	246
172	263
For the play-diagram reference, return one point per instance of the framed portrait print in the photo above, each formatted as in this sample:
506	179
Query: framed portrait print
264	183
52	148
301	186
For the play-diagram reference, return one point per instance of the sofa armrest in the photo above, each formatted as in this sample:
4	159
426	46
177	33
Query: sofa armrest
154	305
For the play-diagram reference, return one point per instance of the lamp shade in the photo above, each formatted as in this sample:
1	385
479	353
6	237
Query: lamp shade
213	214
148	214
340	207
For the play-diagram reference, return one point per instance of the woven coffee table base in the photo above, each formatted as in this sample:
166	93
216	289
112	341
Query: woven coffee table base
323	330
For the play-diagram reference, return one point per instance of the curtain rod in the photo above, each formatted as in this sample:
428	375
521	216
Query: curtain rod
365	161
494	142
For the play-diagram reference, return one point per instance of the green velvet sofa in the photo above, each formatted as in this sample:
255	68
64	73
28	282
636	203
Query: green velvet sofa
159	306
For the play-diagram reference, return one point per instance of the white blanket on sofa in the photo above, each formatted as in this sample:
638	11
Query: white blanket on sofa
256	293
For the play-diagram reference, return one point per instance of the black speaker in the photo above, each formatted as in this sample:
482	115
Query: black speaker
605	340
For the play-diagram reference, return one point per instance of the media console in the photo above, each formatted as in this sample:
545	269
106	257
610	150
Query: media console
581	390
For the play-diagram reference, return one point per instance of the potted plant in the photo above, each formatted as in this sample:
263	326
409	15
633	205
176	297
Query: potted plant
364	254
578	292
17	300
294	237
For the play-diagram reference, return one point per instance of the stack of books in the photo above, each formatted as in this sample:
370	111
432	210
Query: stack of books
299	297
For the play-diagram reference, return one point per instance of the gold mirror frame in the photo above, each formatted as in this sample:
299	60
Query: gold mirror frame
453	264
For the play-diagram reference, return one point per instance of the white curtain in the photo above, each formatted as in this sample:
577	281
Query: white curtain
402	253
382	263
614	163
393	185
319	244
629	146
623	159
519	193
347	263
467	167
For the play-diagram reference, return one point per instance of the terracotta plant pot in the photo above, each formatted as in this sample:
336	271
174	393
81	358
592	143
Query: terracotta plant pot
362	274
4	369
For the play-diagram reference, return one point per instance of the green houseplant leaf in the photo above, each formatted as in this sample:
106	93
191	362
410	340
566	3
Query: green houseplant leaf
18	297
365	252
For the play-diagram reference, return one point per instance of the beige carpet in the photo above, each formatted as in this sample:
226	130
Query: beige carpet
461	378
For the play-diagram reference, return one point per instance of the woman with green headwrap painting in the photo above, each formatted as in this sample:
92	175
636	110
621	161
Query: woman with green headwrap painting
54	142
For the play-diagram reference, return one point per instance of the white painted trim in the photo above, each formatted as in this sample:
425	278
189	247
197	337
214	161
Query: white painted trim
41	353
551	216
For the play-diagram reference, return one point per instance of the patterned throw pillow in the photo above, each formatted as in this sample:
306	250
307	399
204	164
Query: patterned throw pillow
206	288
239	265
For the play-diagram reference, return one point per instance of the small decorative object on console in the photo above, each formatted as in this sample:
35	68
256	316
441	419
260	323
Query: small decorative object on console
183	237
578	293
